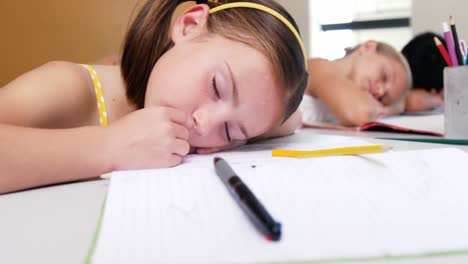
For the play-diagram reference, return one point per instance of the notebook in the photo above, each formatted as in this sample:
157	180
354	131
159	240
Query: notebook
415	124
394	204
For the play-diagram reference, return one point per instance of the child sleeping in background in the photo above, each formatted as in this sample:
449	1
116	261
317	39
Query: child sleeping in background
427	66
368	83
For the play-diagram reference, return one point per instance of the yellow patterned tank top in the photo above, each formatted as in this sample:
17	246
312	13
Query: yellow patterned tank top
99	95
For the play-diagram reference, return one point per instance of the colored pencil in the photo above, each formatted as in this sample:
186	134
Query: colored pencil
456	42
463	47
443	51
450	45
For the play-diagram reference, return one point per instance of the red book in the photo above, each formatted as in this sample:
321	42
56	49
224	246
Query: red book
421	124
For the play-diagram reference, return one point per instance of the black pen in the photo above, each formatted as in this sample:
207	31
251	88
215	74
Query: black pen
247	201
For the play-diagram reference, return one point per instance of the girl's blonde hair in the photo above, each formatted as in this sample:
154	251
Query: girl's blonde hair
149	38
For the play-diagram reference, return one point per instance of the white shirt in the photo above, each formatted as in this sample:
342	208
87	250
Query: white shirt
315	111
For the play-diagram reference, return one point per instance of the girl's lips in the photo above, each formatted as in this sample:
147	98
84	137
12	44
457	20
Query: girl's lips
373	90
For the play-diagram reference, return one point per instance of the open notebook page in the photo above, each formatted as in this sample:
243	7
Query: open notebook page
397	203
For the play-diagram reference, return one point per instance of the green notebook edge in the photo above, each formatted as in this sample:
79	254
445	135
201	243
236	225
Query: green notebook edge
447	141
97	230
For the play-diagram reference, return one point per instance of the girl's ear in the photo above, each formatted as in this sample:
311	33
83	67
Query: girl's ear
191	24
368	46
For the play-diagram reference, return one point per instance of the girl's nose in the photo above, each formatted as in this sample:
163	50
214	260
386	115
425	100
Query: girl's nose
379	90
204	121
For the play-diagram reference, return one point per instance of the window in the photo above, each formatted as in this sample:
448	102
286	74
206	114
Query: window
383	20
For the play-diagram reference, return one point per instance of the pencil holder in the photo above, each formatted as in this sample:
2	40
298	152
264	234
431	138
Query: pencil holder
456	102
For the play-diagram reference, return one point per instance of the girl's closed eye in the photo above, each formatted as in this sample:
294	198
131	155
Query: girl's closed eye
218	95
228	135
215	87
385	77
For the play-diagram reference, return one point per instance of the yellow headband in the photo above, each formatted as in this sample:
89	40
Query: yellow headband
269	11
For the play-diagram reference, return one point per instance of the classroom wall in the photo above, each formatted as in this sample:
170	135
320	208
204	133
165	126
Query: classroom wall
34	32
331	44
429	15
299	9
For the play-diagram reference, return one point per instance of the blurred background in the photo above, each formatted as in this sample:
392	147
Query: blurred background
35	32
86	31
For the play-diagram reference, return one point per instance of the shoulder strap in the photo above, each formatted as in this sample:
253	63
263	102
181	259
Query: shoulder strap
99	95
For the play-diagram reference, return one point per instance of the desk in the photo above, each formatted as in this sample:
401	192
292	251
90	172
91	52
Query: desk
56	224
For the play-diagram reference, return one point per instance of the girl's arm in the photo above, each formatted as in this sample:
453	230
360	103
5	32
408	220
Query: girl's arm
52	96
422	100
350	105
36	149
153	137
31	157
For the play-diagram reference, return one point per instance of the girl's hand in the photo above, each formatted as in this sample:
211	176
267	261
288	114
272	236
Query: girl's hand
391	110
422	100
377	110
152	137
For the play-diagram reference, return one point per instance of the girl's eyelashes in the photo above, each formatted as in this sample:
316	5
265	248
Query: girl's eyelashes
228	136
385	76
215	87
216	91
